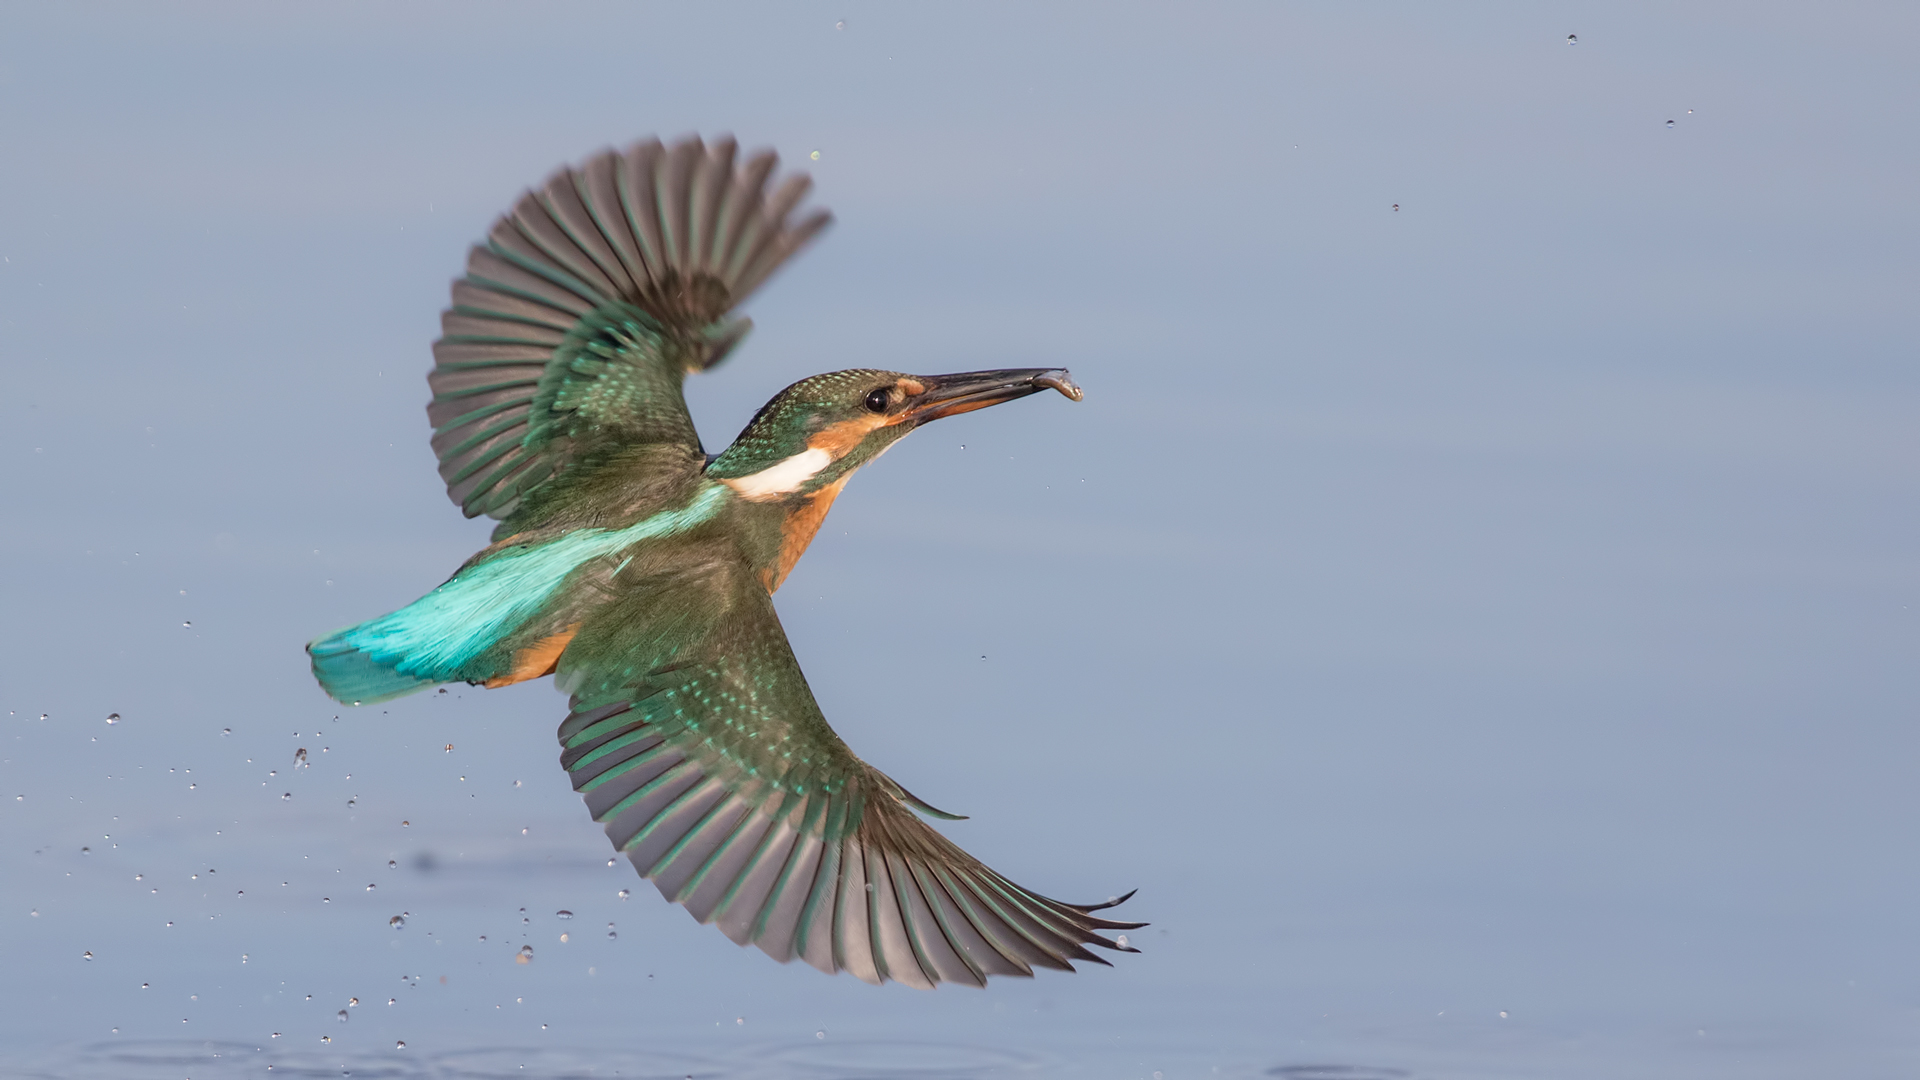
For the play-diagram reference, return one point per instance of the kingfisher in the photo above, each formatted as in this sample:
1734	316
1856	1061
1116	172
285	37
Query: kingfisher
639	571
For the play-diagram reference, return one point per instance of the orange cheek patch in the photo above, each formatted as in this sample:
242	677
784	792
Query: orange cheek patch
838	439
536	659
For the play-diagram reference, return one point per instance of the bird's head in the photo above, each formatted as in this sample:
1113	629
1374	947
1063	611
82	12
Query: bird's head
818	431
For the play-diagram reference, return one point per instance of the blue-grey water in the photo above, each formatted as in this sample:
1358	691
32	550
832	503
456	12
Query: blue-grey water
1476	605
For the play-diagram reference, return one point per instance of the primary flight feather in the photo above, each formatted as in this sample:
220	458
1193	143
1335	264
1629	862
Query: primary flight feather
639	571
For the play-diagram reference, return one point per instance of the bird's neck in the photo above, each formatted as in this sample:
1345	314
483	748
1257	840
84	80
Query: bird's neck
782	501
784	527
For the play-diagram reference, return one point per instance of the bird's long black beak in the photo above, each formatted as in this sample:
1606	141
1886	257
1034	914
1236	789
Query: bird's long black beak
965	391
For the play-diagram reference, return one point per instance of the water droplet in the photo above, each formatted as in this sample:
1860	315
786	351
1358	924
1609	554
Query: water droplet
399	1044
526	955
449	748
300	757
1503	1014
353	1003
341	1016
326	899
404	824
563	939
609	862
285	795
815	155
1121	940
88	955
563	913
393	1001
86	851
1396	208
326	1038
276	1034
623	894
516	783
543	1027
397	922
113	718
143	986
483	937
611	936
188	624
226	731
739	1020
841	25
1573	39
1669	123
819	1034
1689	112
369	888
243	958
391	864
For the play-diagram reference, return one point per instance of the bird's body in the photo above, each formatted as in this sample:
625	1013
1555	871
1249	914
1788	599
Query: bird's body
639	571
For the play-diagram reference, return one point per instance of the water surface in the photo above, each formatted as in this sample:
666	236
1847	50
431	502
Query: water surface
1476	604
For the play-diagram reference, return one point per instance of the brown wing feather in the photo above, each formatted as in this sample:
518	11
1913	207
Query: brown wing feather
668	239
696	742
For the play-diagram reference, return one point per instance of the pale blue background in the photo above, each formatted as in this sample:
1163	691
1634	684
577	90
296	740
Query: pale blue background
1485	631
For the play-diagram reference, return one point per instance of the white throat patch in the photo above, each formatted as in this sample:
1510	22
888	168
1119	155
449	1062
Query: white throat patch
783	478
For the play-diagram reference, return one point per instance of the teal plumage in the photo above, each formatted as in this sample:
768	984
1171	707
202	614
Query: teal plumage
640	572
436	638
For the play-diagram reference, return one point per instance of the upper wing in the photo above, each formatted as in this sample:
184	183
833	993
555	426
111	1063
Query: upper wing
589	303
696	742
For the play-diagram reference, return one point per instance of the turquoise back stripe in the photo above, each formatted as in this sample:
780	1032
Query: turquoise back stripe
433	638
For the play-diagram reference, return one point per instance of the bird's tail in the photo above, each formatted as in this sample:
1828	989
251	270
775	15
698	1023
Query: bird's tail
464	630
359	666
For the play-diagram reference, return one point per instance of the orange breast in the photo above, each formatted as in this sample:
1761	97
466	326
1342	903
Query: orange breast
801	525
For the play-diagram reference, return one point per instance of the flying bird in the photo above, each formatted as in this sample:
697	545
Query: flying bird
639	570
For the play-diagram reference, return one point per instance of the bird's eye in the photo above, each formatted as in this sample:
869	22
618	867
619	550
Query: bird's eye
878	401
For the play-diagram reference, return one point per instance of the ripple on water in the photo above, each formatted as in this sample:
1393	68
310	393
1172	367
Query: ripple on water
170	1059
884	1059
853	1059
563	1064
163	1059
1337	1072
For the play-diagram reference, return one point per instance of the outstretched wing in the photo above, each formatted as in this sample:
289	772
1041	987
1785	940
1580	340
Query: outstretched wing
697	744
588	305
